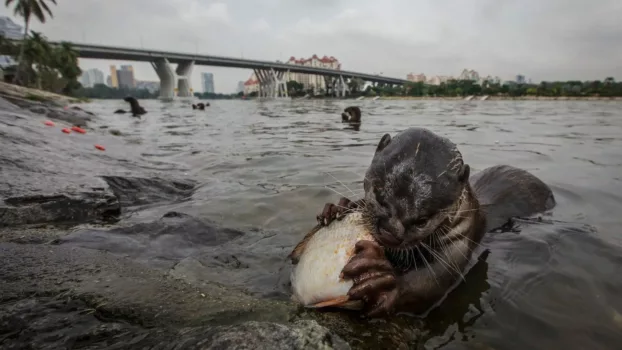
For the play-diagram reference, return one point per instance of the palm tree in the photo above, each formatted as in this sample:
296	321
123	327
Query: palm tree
25	9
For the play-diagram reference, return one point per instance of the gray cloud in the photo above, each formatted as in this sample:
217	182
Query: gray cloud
545	40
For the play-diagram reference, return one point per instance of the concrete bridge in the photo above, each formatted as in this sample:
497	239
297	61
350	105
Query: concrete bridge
271	75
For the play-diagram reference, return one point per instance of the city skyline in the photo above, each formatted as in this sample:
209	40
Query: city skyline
207	82
538	39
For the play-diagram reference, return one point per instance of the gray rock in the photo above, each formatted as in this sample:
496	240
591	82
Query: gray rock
38	109
73	117
303	335
79	207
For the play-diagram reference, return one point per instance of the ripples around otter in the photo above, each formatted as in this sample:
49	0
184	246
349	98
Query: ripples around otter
273	165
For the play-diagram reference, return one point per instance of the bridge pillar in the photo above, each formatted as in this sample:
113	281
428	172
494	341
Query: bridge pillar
184	70
344	86
279	84
167	78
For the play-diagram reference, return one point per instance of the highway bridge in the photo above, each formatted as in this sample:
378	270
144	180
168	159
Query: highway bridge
271	75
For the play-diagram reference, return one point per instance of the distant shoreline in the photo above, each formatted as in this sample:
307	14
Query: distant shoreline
504	98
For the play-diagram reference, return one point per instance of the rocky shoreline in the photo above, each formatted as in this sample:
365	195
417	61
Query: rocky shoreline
78	272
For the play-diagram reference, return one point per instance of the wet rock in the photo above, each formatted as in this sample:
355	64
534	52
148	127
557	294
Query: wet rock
73	117
159	244
66	322
305	334
78	207
38	109
6	105
133	191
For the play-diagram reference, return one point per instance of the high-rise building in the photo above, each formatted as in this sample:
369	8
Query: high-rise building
91	77
114	82
520	79
207	81
130	69
122	77
10	29
125	78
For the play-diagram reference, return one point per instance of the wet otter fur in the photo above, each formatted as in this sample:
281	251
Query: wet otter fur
351	114
200	106
427	215
135	108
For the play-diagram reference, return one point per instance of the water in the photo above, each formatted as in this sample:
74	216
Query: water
275	164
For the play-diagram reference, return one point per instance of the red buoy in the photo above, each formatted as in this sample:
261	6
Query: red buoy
66	131
49	123
78	129
100	147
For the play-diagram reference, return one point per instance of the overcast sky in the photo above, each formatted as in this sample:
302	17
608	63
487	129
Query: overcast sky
542	39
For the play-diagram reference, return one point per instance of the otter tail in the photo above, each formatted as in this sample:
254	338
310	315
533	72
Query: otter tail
506	192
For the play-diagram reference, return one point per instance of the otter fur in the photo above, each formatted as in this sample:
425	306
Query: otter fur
427	215
135	108
351	114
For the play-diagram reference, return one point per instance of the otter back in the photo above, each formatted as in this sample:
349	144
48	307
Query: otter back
504	192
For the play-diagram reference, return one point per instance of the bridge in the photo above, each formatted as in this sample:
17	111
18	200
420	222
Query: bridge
271	75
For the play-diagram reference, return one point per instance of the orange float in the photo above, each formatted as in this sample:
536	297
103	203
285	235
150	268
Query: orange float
49	123
66	131
100	147
78	129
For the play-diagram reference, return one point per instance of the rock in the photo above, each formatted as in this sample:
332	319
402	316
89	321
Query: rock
304	334
133	191
77	207
74	117
161	243
38	109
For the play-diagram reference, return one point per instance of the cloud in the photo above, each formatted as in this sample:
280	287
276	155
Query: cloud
260	25
544	40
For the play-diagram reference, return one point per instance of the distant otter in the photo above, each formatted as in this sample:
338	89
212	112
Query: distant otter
351	114
427	216
136	109
201	106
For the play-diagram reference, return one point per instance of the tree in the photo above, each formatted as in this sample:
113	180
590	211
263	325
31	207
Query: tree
25	9
66	62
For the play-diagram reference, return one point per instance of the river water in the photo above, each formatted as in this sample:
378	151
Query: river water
273	165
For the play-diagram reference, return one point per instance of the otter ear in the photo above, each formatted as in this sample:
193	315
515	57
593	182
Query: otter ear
384	142
463	175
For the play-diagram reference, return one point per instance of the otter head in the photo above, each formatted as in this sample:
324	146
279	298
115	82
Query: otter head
414	184
351	114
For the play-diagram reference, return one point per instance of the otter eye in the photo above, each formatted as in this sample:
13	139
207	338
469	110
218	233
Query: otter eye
420	221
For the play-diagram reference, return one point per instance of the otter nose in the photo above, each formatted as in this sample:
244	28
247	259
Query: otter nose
397	228
392	232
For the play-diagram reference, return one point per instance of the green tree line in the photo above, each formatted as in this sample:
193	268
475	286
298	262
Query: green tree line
456	88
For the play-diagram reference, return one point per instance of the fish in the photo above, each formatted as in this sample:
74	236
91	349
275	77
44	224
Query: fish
319	258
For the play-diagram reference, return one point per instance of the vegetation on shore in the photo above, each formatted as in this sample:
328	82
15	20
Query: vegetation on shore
462	88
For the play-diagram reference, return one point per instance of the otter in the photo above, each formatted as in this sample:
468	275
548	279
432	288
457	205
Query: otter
351	114
201	106
136	109
427	215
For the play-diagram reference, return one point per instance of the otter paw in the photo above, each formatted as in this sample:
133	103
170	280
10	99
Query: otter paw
374	279
332	211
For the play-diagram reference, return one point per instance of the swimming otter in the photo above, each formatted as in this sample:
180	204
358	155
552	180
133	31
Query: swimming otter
136	109
200	106
351	114
427	215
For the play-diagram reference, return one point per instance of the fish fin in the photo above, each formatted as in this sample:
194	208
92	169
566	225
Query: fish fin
300	247
342	302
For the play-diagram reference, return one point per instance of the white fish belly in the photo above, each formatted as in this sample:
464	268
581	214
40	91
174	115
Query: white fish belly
316	276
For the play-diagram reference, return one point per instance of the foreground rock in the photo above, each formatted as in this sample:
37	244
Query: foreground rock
55	297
